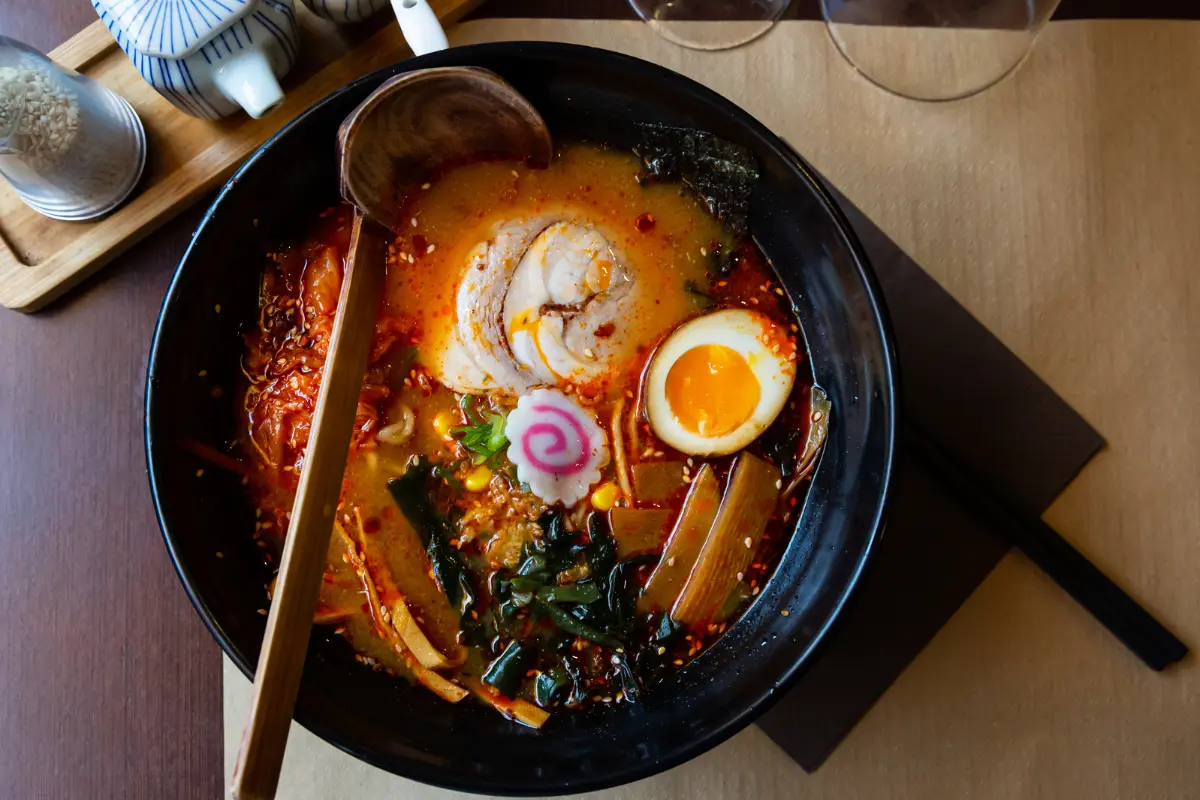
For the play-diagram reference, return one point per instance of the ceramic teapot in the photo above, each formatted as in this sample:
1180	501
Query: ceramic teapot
208	57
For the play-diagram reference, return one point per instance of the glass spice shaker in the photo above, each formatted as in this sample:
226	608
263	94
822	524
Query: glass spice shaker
72	149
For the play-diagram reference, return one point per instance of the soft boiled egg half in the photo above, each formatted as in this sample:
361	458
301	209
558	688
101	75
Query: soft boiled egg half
718	381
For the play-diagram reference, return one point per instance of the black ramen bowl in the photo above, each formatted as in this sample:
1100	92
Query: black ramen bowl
582	93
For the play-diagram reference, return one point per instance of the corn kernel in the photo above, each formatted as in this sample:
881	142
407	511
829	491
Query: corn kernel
478	479
443	421
605	496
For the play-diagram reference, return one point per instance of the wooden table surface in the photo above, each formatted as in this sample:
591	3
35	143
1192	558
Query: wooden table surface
110	683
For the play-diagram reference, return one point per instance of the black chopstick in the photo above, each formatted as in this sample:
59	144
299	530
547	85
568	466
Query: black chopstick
1091	588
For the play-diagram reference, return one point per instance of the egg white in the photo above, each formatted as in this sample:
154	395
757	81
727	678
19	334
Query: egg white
742	331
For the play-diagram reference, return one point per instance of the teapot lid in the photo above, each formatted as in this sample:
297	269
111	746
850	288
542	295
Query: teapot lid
169	28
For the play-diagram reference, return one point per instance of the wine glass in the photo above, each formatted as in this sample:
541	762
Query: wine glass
935	49
710	24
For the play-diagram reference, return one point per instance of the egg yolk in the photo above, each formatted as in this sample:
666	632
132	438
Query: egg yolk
711	390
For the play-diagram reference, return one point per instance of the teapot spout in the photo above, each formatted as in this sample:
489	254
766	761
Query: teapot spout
247	79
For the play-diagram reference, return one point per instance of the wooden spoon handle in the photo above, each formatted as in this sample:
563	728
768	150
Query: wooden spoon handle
289	624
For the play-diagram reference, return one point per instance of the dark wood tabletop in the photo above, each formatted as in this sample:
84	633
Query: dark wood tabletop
110	684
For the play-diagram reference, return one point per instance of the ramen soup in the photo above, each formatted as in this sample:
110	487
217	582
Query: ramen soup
586	423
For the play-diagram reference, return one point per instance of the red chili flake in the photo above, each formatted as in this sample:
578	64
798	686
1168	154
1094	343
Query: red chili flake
605	330
371	525
644	221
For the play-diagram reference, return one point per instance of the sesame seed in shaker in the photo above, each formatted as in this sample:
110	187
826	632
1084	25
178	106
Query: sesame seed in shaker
71	149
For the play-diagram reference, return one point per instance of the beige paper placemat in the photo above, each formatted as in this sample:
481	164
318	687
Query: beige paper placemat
1061	208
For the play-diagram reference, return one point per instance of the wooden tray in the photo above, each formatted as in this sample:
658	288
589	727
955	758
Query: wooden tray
40	258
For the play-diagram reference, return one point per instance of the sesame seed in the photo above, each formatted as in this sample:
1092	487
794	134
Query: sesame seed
217	308
722	284
588	352
262	611
754	300
671	561
679	662
414	222
784	612
689	462
703	252
203	372
740	576
755	592
430	249
779	291
220	554
514	174
748	543
424	186
199	473
779	483
662	650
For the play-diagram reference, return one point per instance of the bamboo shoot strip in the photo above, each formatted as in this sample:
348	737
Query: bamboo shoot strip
727	552
683	546
638	530
521	711
656	481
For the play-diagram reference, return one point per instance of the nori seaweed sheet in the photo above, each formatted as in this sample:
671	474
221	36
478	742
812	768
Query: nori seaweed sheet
721	172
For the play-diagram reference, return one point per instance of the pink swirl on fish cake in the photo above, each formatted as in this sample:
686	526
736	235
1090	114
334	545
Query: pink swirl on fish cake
556	446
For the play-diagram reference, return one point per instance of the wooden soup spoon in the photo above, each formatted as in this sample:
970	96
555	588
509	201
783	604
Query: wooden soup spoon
409	128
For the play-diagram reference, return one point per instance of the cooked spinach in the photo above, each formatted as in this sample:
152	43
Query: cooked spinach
622	591
412	492
601	549
506	672
550	685
583	592
576	627
554	529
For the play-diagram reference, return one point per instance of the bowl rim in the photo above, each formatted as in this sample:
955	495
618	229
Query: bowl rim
880	320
